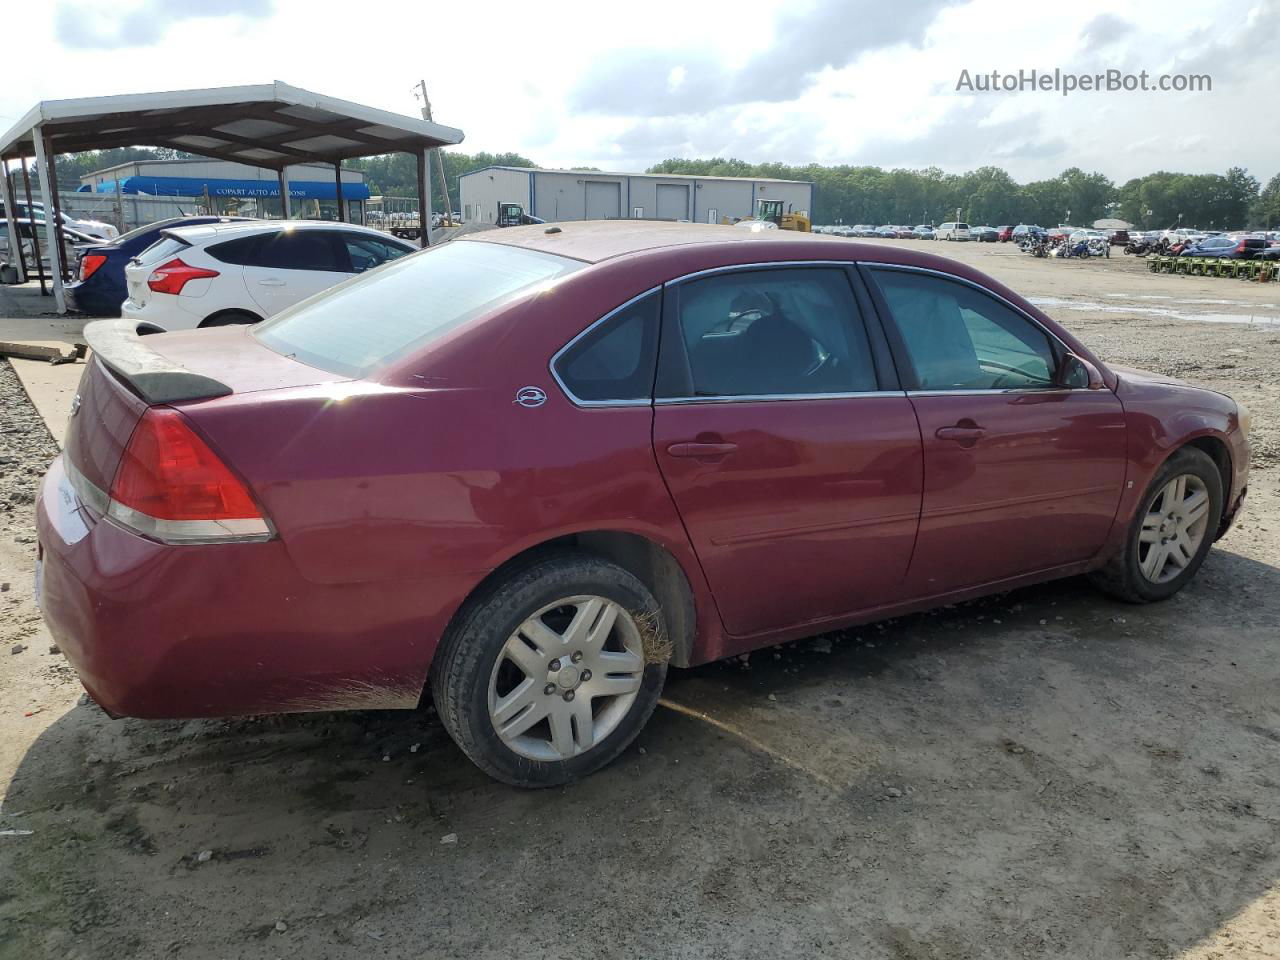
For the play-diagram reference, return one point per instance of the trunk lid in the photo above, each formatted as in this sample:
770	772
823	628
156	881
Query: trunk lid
126	374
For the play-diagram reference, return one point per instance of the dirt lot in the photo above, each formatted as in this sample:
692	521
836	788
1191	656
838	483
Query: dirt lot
1047	773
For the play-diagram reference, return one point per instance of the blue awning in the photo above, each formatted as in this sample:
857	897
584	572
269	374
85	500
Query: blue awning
195	187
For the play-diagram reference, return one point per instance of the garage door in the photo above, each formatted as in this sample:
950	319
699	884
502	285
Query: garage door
673	201
604	200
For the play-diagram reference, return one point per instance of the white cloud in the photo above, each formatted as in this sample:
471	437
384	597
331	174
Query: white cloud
569	84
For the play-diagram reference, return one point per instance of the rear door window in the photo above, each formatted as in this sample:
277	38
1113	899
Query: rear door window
301	250
768	332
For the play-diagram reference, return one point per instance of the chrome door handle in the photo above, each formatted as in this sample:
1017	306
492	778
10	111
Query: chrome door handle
695	449
966	436
271	282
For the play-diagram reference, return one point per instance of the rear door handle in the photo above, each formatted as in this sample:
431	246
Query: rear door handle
695	449
271	282
964	435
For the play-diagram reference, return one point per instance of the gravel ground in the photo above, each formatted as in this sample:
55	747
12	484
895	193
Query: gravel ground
1046	773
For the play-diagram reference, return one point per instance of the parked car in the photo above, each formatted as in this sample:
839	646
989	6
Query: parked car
924	232
1268	253
95	229
1004	233
1118	238
73	242
479	468
101	287
1183	235
1229	248
984	234
952	231
888	232
1024	230
235	273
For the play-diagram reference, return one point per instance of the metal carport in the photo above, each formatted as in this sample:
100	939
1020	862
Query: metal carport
269	125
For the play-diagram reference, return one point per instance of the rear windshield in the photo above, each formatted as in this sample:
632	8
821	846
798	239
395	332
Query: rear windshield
163	248
378	317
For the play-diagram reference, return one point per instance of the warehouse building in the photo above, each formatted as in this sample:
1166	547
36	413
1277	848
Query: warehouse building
590	195
233	188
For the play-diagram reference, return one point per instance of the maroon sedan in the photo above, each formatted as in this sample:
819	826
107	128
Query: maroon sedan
531	468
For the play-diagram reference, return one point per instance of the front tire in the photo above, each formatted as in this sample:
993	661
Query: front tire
1171	533
550	672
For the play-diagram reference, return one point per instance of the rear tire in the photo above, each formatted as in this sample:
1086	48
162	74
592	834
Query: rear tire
1171	532
231	318
518	719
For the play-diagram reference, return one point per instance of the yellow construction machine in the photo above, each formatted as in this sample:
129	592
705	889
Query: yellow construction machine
772	212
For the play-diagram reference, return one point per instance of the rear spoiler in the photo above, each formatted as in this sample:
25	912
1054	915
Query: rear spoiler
151	375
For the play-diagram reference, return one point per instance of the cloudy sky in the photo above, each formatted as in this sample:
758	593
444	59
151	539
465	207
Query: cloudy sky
568	84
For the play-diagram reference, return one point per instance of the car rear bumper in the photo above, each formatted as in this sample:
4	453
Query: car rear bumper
94	300
156	630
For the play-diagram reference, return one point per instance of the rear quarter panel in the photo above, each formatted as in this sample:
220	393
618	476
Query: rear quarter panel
435	472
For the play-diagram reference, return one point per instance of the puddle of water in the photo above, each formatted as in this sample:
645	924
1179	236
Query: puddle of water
1200	300
1086	306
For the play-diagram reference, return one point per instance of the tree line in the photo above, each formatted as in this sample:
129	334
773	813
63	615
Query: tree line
874	195
988	195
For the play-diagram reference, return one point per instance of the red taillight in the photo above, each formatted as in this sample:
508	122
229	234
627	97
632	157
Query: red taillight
89	265
171	277
169	473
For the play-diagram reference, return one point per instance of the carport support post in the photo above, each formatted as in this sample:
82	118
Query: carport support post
35	237
424	197
11	217
49	193
284	194
337	181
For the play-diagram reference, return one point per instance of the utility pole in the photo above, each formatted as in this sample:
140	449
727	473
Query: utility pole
420	91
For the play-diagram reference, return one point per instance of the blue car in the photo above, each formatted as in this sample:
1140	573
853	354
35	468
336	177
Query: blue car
100	289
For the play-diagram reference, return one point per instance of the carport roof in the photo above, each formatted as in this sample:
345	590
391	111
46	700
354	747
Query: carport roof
267	125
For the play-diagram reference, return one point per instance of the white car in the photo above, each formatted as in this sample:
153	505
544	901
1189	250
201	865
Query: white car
227	273
952	231
1188	234
75	241
92	228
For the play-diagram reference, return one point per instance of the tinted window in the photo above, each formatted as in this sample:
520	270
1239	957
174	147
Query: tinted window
240	250
771	332
615	360
368	252
299	250
958	338
163	249
372	320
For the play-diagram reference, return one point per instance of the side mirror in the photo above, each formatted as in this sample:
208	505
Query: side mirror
1077	373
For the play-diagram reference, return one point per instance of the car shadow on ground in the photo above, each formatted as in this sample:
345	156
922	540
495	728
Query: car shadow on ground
1043	773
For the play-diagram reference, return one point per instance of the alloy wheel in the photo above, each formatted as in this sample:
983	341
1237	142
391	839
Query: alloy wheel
566	678
1173	528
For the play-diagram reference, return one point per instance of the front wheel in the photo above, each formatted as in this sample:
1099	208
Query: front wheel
549	673
1171	533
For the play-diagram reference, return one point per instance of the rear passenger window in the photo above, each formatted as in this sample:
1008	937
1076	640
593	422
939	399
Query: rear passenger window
958	338
300	250
614	361
774	332
238	251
